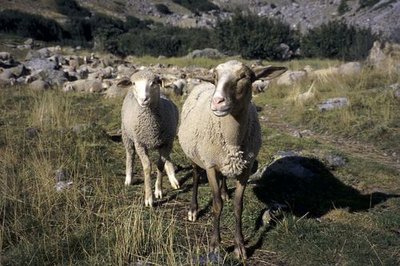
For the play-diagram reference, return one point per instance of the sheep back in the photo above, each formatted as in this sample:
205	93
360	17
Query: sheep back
153	126
204	136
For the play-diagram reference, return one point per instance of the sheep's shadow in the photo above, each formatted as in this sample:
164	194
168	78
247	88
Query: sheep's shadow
307	188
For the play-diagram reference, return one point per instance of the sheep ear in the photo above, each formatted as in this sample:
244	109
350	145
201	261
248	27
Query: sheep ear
268	72
157	80
124	83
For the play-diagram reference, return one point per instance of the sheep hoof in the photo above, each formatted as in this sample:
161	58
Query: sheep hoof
128	182
148	202
192	216
240	252
225	196
174	183
158	193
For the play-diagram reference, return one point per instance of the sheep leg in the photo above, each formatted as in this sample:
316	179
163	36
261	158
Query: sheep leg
217	208
159	180
169	167
240	250
144	158
130	157
224	189
192	214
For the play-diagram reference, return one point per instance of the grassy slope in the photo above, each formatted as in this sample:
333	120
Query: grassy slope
99	221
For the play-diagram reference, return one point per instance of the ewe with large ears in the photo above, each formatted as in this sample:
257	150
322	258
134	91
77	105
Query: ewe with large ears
220	133
149	121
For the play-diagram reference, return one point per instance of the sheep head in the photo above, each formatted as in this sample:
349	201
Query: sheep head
233	89
145	86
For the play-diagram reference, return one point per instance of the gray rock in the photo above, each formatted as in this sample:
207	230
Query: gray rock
29	41
5	56
207	53
62	185
273	213
32	132
394	86
290	77
41	64
285	51
61	174
334	103
283	154
333	161
350	68
397	94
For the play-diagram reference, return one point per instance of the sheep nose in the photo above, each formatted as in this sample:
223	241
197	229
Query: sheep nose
217	100
144	100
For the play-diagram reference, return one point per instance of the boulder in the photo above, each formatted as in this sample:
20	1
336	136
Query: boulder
290	77
206	53
350	68
333	103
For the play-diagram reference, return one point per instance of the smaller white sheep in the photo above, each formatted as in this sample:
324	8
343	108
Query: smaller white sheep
84	85
149	121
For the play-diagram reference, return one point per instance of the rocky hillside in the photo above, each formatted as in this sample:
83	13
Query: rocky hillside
379	15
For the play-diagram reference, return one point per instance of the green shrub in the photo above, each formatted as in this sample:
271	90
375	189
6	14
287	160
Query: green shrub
163	9
343	7
255	37
337	40
367	3
162	40
29	25
135	23
71	8
197	5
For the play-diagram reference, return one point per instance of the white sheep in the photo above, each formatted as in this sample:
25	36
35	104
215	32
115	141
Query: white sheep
149	121
84	85
220	133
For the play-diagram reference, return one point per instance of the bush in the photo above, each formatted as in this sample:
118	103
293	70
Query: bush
338	40
367	3
163	9
255	37
161	40
197	5
33	26
71	8
343	7
135	23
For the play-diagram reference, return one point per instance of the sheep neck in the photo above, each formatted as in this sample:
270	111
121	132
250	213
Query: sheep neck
233	128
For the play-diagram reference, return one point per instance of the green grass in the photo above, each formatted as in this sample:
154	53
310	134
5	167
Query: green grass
349	216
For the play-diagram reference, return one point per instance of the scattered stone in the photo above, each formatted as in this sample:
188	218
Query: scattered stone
29	42
333	161
333	103
397	94
274	213
350	69
5	56
283	154
290	77
212	258
62	185
32	132
207	53
297	134
394	86
62	181
285	51
259	86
